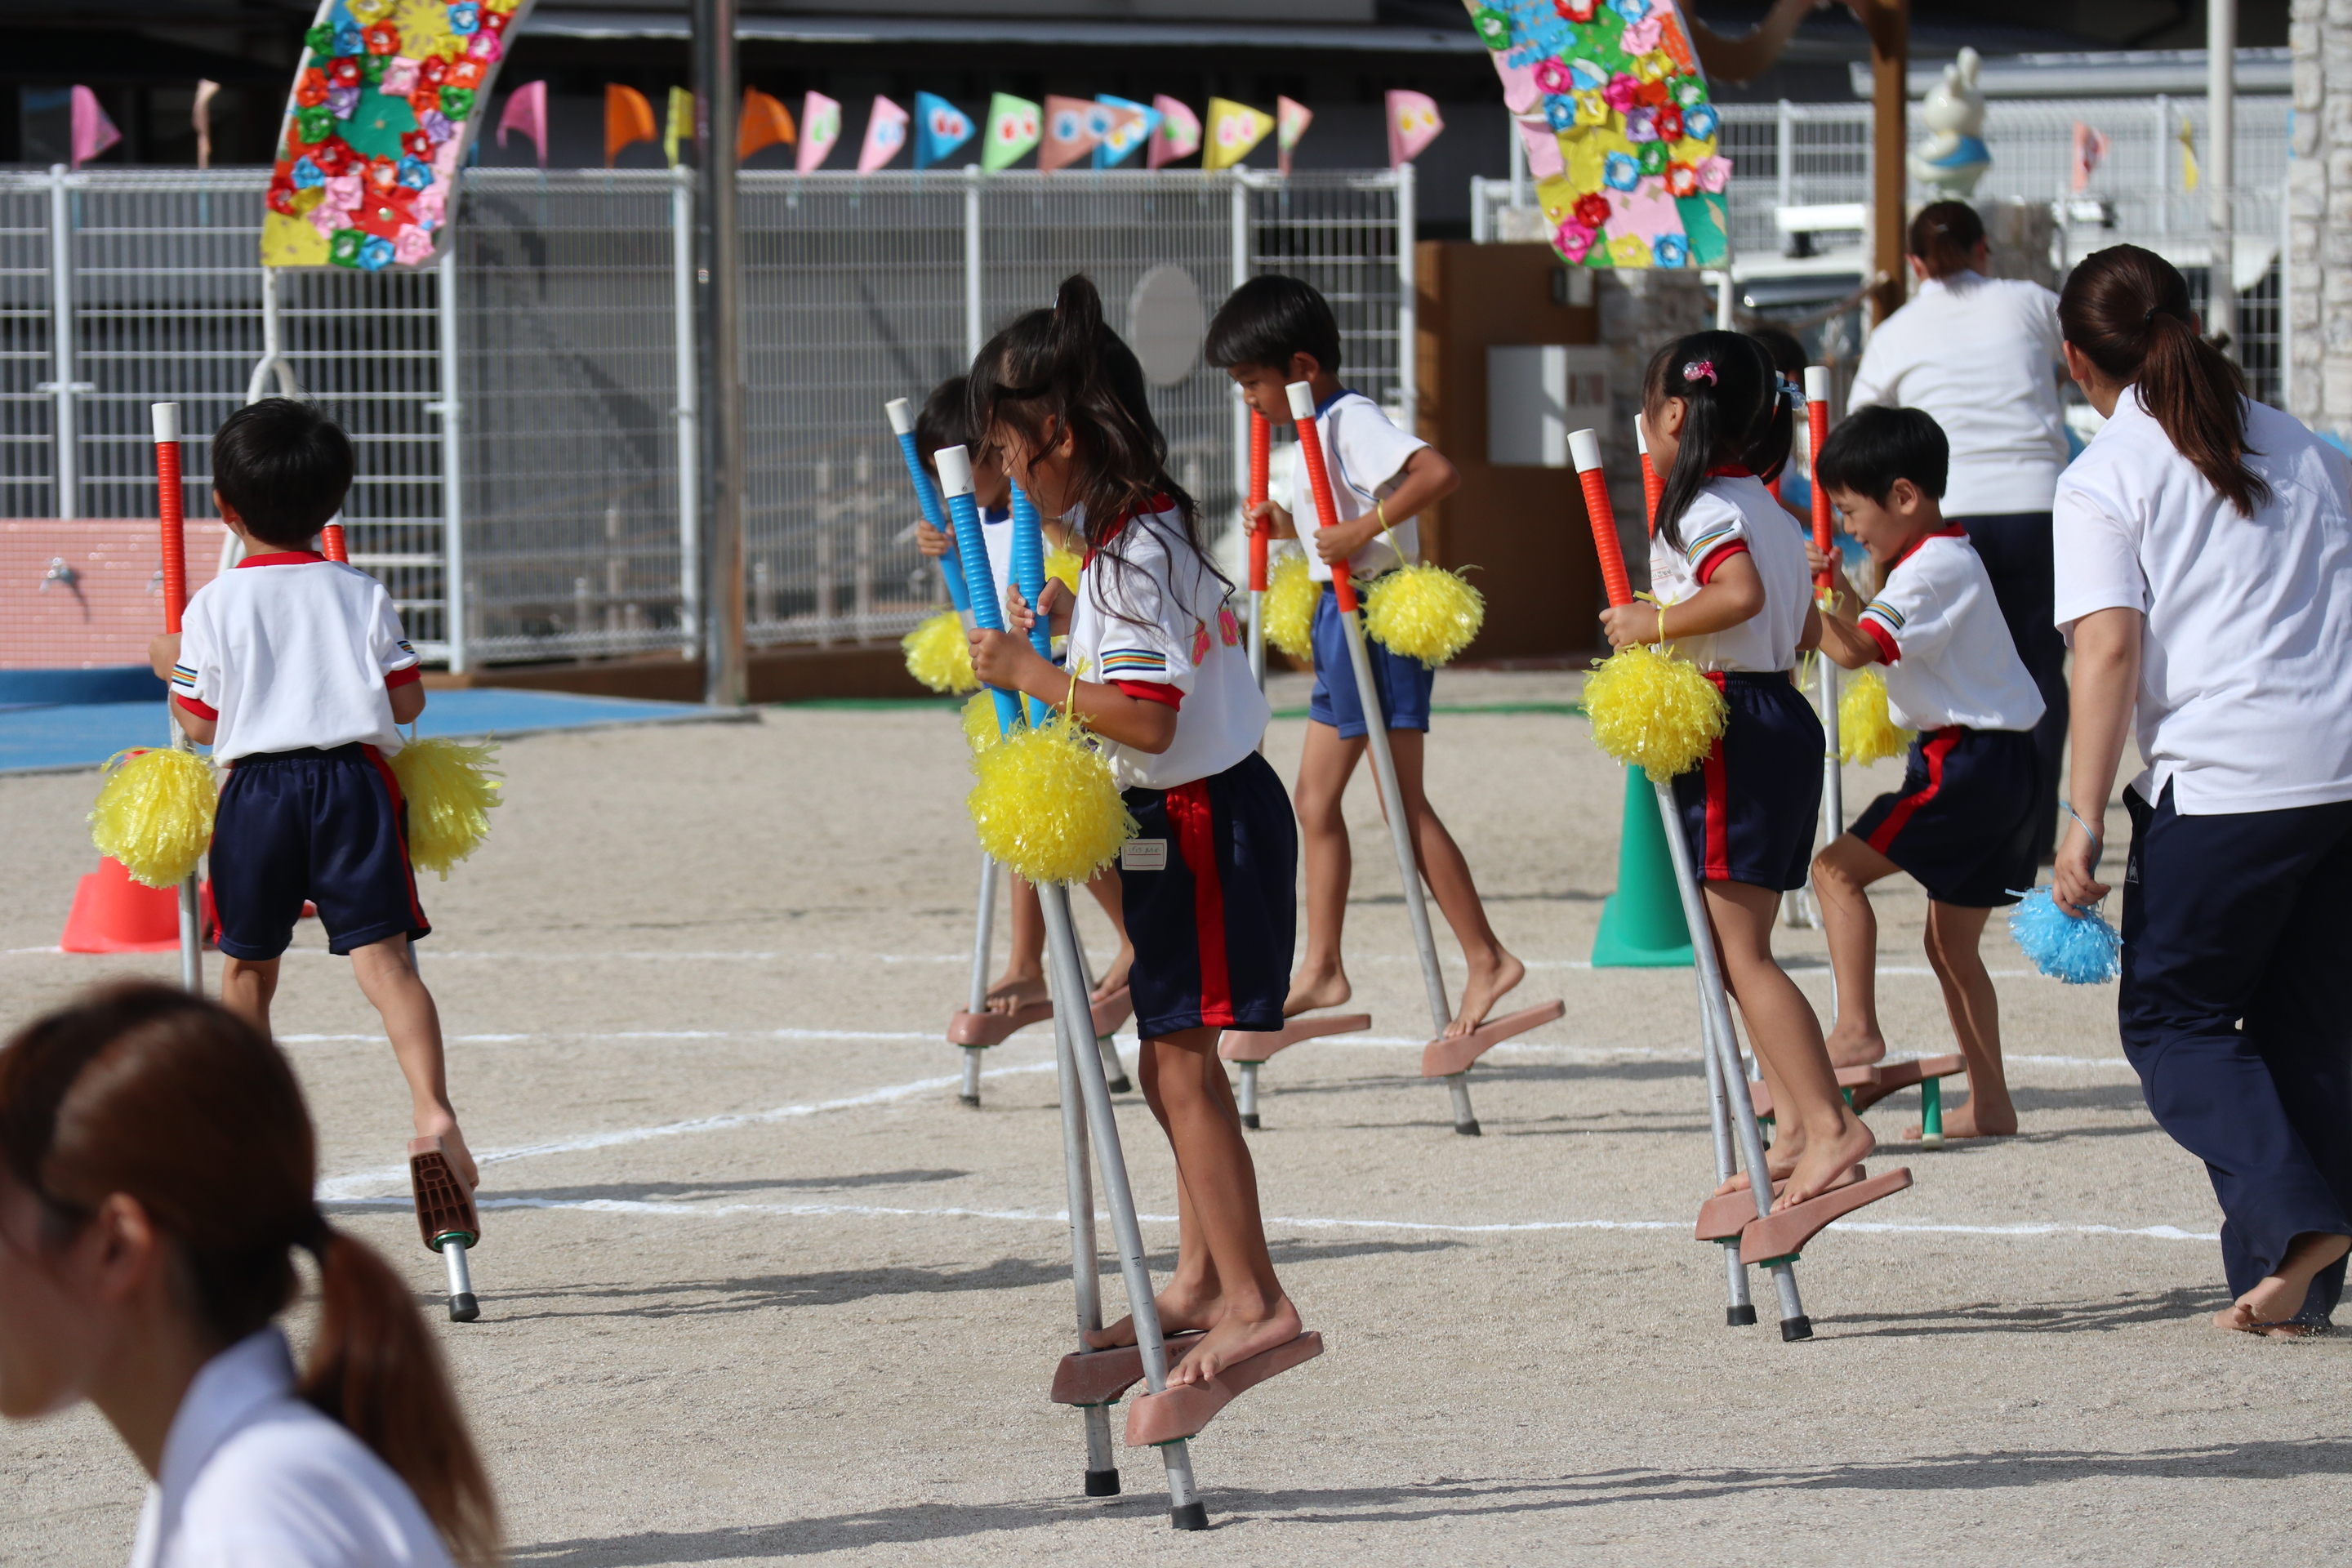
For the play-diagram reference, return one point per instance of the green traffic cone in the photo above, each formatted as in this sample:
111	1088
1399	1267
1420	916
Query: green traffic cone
1642	925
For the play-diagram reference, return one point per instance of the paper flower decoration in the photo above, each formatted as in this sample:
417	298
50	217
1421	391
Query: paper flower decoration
1670	250
1591	109
1669	124
1682	180
310	87
1621	173
1552	75
1700	121
1574	240
1559	114
380	39
465	17
1622	92
1592	209
1638	126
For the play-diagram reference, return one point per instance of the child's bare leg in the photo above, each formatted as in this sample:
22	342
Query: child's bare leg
1494	971
247	986
398	994
1841	872
1788	1135
1324	769
1975	1011
1788	1037
2267	1308
1192	1298
1104	886
1023	979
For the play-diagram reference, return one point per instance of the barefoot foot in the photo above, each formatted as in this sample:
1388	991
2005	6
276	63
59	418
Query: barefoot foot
1314	989
1182	1309
2268	1308
444	1126
1235	1338
1492	977
1114	979
1855	1048
1826	1163
1014	992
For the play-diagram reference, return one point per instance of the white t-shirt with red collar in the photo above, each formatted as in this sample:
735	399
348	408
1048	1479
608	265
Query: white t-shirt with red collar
292	650
1949	657
1365	456
1152	619
1734	515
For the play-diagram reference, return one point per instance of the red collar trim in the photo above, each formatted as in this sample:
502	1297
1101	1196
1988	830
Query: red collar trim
1157	503
283	558
1949	531
1731	472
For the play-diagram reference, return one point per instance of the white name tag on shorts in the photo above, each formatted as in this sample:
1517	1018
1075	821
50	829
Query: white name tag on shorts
1143	855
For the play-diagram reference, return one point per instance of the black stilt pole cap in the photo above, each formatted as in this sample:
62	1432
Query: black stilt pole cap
1191	1516
463	1308
1102	1483
1467	1128
1740	1317
1800	1327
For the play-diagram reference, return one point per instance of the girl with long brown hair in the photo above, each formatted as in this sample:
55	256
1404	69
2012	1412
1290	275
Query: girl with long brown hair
2204	567
156	1171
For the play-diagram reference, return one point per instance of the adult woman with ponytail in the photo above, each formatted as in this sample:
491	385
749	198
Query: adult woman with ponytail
1980	356
2204	556
156	1168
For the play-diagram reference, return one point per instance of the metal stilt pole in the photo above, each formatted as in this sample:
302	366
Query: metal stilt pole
982	945
1102	1464
1740	1311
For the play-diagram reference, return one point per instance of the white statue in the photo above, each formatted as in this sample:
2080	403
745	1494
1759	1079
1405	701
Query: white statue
1955	157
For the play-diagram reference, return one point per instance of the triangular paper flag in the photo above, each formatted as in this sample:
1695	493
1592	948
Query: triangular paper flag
93	133
1179	135
627	118
680	129
1071	132
1130	126
526	111
885	133
1291	120
820	129
765	123
1014	124
1413	124
1234	129
940	128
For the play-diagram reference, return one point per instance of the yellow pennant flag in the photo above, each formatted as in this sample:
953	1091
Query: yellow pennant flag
680	127
1230	131
2188	155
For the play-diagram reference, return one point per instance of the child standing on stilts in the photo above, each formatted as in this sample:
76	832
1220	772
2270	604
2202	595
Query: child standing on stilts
1735	597
1162	676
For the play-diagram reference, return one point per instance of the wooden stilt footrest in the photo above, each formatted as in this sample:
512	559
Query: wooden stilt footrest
1443	1058
993	1028
1866	1086
1183	1412
1786	1232
1727	1215
1260	1045
1112	1011
1098	1377
444	1208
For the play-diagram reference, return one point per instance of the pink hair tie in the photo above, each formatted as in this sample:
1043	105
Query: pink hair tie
1700	370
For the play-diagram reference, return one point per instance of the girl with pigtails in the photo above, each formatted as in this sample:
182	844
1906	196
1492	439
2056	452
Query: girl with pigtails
156	1170
1157	669
2204	569
1734	596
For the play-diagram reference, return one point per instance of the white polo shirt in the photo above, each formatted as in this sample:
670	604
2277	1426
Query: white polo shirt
2246	682
1737	515
1366	456
1158	618
289	650
255	1477
1979	355
1949	657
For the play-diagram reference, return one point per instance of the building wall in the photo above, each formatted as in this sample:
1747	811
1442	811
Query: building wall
2319	218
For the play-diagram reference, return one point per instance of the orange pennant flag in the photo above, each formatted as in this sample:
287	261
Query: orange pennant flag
766	122
627	118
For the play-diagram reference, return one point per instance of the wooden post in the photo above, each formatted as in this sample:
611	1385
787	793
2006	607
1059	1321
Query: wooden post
1889	24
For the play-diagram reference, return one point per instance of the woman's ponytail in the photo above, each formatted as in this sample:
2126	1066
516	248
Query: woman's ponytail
1733	414
2127	309
375	1369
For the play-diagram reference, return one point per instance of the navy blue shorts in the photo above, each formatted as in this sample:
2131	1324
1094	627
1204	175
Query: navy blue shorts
1749	811
1963	822
1213	926
1403	683
324	826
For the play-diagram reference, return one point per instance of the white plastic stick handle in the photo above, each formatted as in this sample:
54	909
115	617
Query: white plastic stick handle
954	464
902	417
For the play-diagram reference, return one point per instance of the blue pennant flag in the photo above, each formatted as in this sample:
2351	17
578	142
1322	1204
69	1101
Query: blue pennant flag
1124	133
940	128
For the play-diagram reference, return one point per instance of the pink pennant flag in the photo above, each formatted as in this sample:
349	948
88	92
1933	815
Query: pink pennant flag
1291	119
2090	146
93	133
1413	124
885	133
1179	135
1073	128
820	129
526	113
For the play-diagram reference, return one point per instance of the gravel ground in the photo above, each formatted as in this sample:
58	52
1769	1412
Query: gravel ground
756	1287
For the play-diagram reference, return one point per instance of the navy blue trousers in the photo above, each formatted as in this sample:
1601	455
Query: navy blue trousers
2016	551
2236	933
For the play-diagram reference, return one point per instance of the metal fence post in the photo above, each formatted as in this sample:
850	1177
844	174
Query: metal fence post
972	299
1238	207
1408	345
1784	152
688	413
452	489
2222	174
66	437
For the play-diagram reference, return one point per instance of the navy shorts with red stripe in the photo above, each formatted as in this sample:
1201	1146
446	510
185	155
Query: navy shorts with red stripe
1963	822
327	827
1749	811
1212	929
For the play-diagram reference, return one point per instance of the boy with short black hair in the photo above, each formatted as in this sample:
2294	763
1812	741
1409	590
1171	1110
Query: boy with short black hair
296	671
1962	823
1271	331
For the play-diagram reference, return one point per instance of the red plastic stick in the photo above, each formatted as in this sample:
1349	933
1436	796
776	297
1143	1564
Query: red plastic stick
1651	484
1817	430
170	510
1261	529
1585	447
1318	480
331	536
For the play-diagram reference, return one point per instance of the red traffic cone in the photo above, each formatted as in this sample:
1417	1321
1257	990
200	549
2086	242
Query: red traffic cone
112	913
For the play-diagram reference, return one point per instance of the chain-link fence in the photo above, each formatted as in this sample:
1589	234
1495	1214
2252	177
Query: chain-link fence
524	412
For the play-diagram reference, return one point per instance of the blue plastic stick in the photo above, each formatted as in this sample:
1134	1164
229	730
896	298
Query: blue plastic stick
951	567
1029	576
986	611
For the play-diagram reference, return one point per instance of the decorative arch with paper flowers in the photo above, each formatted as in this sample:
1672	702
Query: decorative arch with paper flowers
386	98
1609	99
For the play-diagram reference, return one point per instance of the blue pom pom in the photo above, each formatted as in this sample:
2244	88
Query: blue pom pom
2079	950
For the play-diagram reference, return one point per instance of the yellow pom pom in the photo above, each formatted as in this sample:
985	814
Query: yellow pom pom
1066	564
938	654
1423	612
1654	710
980	730
449	786
154	814
1290	607
1866	729
1047	804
